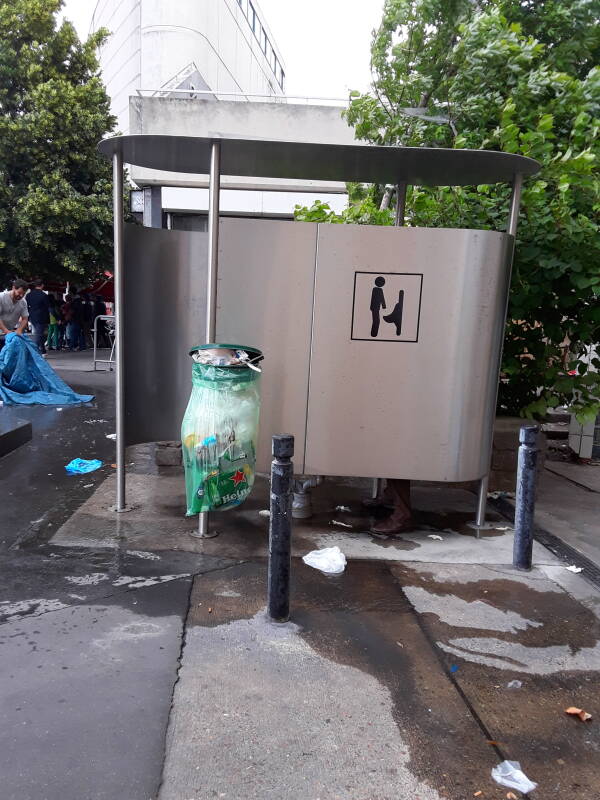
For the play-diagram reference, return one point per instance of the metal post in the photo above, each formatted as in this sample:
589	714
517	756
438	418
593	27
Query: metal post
525	502
400	203
214	185
280	528
119	323
213	240
511	228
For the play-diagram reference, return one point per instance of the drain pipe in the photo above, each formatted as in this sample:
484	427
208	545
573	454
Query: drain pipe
302	502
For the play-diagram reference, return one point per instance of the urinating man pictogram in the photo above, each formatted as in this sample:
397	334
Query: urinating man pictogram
377	303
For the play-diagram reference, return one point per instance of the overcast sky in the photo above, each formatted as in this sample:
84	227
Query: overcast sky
324	43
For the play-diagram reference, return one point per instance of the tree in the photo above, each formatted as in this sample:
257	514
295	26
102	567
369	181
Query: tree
55	189
519	76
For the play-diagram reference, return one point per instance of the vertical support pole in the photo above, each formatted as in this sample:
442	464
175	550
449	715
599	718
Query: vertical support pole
214	186
400	203
511	228
280	528
119	325
525	502
213	240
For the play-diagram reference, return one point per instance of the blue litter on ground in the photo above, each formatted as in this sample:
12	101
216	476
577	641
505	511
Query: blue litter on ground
27	379
454	668
79	466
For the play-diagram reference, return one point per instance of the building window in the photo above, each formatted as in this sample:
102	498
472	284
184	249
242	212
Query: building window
251	16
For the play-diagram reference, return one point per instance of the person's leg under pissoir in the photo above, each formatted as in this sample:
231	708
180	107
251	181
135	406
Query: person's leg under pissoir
400	520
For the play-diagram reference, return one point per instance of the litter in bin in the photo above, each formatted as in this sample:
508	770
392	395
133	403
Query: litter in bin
575	569
584	716
79	466
220	427
509	774
329	560
514	685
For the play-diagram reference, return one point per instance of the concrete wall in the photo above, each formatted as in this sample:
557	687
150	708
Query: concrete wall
193	117
157	44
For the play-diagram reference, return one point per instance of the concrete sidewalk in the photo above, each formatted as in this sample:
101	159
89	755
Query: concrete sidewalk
391	680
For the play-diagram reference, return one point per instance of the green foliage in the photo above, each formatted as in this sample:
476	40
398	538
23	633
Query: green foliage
55	190
523	77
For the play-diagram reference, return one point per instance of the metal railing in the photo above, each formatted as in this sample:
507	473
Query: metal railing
109	330
242	96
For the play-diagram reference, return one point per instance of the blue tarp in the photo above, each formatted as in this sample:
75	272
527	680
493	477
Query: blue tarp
26	378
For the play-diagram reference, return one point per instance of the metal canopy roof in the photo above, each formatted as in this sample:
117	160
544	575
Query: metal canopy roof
262	158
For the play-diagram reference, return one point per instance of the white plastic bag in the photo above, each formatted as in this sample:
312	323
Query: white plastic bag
509	774
329	560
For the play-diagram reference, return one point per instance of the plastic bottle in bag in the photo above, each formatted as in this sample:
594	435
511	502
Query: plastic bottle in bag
219	431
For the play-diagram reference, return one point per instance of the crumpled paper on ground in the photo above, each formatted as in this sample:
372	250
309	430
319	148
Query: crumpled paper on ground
329	560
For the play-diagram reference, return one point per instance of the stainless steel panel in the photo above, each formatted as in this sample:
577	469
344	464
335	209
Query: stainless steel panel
264	299
165	302
431	166
394	407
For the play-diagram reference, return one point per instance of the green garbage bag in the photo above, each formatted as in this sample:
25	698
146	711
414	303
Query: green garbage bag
220	427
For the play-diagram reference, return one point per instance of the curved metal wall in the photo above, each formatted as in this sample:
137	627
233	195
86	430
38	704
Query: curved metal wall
411	396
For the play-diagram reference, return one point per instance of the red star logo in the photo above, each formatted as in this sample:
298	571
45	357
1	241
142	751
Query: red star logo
238	477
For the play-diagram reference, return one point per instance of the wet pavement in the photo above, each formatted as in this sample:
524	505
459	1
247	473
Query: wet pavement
138	661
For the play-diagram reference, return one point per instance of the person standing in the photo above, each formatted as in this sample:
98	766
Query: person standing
38	304
77	321
53	341
88	320
100	310
67	315
14	314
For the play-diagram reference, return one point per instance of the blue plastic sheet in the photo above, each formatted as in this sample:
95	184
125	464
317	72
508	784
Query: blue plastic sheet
26	378
79	466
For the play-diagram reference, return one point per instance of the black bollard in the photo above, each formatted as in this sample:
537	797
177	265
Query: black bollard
280	527
525	500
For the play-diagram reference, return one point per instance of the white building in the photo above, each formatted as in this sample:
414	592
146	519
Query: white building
199	67
222	46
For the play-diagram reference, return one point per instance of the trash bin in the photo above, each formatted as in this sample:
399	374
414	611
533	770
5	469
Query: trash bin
220	426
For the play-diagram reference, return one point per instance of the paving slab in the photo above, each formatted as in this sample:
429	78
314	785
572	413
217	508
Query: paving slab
569	511
86	693
348	701
492	629
157	522
585	475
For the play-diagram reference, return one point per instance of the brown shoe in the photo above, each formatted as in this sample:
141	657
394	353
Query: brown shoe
394	524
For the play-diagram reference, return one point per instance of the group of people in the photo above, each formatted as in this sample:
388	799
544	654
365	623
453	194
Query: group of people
56	323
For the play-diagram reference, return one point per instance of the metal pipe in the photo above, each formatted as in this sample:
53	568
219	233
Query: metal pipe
525	500
280	528
515	201
482	501
400	203
511	228
119	326
213	240
214	186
